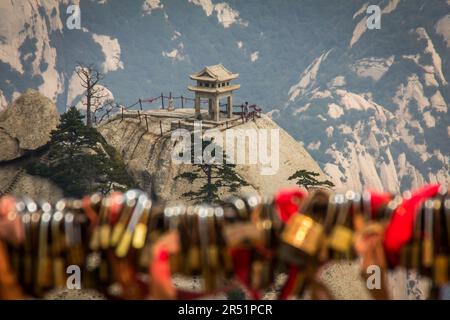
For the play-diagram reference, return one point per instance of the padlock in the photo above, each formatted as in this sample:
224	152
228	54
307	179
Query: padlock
341	237
304	233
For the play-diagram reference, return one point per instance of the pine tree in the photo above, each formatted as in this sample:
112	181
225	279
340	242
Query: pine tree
79	160
215	176
308	179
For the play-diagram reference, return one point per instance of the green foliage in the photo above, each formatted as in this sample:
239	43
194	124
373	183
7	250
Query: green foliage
80	161
214	176
308	179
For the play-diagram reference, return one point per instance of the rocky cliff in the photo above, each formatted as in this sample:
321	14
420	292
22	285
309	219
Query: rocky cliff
373	110
148	156
25	126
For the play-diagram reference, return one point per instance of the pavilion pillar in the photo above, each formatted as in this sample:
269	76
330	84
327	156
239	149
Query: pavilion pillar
229	106
216	109
210	106
197	104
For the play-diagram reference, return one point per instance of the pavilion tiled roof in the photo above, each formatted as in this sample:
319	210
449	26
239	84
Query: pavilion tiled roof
214	73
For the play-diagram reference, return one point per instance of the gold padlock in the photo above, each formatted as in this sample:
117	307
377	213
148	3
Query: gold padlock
441	270
304	233
125	242
140	232
130	199
416	245
428	243
193	258
341	239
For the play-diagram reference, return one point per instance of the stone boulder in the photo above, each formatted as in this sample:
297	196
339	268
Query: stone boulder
26	124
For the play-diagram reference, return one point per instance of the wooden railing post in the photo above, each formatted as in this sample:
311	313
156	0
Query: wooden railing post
162	100
122	113
160	127
140	103
182	102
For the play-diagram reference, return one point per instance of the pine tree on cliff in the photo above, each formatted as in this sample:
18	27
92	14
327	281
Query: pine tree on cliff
215	176
79	160
308	179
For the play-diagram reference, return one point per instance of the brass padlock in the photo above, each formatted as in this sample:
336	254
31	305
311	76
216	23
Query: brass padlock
304	233
193	259
442	247
224	256
44	268
341	237
358	217
130	199
57	247
428	243
441	270
405	256
27	247
141	230
102	232
208	249
125	241
416	245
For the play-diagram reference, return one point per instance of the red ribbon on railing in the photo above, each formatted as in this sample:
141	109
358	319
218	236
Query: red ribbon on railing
150	100
255	107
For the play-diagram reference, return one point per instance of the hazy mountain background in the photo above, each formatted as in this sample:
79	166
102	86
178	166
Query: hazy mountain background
371	106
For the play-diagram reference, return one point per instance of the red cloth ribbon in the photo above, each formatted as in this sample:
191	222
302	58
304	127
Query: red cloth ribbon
150	100
285	201
377	201
161	278
90	213
400	229
241	263
115	207
289	285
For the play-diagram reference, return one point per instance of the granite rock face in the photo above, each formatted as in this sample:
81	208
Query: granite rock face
15	181
148	156
26	124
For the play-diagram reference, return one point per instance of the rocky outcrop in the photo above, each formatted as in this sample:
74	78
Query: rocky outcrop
148	157
26	124
15	181
3	103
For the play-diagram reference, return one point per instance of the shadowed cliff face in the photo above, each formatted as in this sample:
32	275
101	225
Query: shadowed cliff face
148	156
